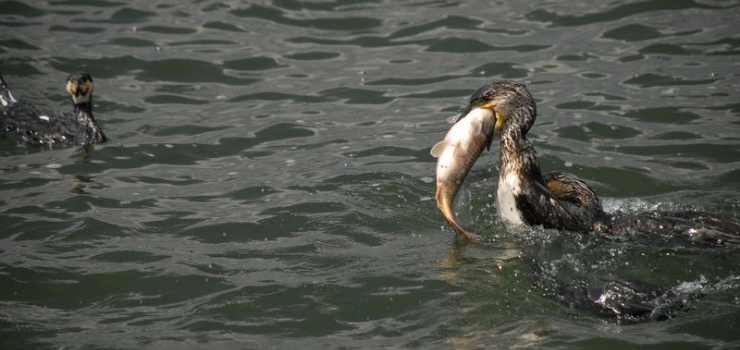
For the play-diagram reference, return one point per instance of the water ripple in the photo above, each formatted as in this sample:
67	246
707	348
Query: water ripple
268	182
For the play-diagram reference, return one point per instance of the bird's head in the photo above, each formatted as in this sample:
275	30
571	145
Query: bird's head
80	87
510	101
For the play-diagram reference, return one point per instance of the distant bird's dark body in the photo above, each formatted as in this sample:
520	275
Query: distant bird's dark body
44	127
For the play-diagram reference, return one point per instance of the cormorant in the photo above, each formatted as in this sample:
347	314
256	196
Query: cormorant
559	201
525	196
40	126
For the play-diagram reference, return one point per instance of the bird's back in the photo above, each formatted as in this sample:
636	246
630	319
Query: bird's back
37	125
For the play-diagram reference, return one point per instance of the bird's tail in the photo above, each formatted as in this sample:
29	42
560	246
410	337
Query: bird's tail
6	98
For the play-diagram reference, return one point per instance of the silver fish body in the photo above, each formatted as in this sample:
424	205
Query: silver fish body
456	154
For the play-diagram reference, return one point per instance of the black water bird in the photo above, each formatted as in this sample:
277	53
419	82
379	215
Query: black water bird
526	197
522	196
47	128
564	202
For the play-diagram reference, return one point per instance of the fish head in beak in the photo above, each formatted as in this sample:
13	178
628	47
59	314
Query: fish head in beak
485	104
500	118
506	99
80	87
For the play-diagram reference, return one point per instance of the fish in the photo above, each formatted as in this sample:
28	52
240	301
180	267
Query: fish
456	154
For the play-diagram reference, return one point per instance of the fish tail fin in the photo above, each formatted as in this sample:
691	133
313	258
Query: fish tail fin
445	205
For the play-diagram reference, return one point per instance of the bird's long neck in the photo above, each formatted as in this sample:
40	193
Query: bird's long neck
517	153
84	115
518	170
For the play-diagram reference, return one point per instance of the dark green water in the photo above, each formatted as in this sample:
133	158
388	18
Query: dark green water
269	183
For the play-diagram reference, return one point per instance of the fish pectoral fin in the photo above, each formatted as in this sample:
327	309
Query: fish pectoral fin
438	149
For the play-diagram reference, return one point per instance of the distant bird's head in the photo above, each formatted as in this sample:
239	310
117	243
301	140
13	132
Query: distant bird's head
80	86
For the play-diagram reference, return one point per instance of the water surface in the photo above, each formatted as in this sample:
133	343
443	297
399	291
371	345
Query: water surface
268	183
